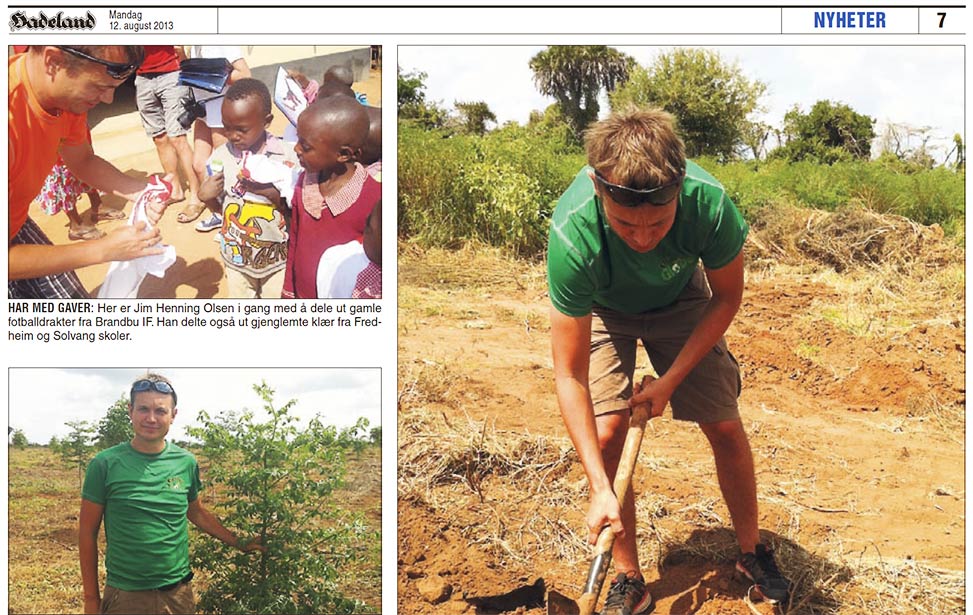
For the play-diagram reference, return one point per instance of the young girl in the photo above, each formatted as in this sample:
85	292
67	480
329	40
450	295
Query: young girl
334	195
61	192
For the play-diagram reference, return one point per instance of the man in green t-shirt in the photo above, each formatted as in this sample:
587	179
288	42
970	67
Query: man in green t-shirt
145	490
626	240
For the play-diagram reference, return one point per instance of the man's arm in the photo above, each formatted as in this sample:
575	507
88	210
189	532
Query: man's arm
89	522
100	173
207	521
727	286
571	346
124	243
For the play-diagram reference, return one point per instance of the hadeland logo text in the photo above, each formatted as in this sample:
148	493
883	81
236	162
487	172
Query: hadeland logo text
20	20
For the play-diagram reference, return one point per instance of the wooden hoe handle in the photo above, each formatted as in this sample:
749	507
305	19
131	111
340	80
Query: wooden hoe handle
623	480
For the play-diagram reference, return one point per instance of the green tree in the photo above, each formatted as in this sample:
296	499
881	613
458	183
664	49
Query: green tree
116	426
474	116
412	102
575	74
54	445
828	133
276	481
19	440
375	435
76	447
710	98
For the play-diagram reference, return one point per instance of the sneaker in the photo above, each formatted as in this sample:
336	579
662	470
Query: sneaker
627	595
212	223
761	569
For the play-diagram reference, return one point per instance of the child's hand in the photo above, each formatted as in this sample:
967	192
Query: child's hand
211	187
267	191
300	78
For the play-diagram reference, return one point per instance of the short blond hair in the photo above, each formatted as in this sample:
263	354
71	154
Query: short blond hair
636	147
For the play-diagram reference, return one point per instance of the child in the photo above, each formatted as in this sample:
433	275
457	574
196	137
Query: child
371	153
337	80
334	195
354	269
253	237
369	282
61	192
341	74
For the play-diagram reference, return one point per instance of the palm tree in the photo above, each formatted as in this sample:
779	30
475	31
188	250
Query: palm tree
575	74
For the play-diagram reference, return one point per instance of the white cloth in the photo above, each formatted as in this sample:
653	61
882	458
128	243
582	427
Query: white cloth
264	170
125	277
214	106
338	270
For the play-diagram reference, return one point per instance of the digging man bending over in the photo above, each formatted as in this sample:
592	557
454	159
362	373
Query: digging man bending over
626	241
145	490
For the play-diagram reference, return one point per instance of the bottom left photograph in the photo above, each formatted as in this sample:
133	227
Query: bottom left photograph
194	490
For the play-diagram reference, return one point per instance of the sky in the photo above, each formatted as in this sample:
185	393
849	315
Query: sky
917	85
42	400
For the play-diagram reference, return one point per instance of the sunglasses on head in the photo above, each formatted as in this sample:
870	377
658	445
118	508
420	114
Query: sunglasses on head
141	386
115	70
630	197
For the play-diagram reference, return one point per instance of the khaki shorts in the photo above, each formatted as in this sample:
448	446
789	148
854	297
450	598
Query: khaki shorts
159	101
177	601
707	395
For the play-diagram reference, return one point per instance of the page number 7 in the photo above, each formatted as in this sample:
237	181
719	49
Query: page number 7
942	19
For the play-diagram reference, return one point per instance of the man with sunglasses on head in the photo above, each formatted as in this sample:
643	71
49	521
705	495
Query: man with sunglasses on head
145	490
51	90
626	241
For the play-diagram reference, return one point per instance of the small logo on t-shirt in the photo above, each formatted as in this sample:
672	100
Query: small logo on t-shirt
671	270
176	483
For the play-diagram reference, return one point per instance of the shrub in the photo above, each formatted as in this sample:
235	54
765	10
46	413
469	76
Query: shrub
275	481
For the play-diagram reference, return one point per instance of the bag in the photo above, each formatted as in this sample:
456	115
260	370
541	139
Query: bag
208	74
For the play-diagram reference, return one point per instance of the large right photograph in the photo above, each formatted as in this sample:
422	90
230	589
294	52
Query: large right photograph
681	330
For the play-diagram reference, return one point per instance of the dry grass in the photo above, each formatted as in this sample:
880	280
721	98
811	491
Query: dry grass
472	266
848	239
466	470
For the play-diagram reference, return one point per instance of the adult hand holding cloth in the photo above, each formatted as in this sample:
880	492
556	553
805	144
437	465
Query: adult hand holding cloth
125	277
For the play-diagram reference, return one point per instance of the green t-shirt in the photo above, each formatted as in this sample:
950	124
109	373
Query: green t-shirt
588	264
146	498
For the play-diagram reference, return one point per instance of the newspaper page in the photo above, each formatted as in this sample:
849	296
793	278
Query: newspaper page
604	223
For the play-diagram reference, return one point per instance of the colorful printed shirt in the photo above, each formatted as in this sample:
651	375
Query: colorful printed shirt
146	498
588	264
253	239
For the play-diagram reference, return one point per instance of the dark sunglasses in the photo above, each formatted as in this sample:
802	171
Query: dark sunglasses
630	197
114	69
142	386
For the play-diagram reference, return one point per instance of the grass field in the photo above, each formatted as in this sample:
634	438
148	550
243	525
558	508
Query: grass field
43	571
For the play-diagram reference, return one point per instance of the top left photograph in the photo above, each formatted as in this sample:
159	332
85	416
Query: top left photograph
194	172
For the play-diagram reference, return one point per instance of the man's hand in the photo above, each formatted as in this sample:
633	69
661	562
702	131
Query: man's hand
603	510
252	544
92	605
129	242
155	208
653	391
